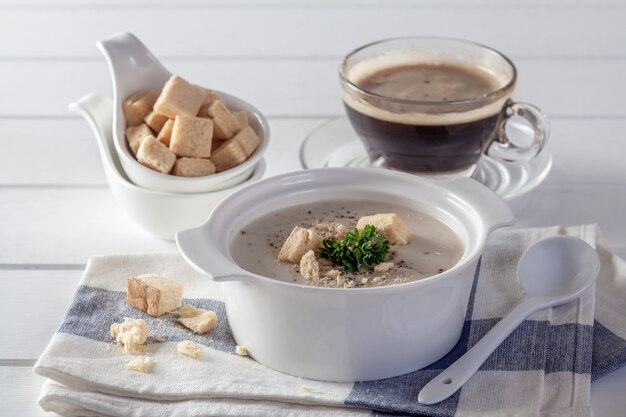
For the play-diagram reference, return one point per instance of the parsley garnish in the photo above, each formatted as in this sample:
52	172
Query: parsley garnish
355	249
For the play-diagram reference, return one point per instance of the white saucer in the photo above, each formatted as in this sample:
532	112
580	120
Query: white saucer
334	144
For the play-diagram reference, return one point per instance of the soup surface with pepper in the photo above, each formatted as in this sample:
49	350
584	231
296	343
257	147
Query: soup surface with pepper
433	247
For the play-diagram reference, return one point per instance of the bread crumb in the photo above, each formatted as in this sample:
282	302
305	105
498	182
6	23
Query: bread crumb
189	348
384	266
333	273
377	280
340	231
309	268
198	320
364	280
241	350
140	364
131	334
341	281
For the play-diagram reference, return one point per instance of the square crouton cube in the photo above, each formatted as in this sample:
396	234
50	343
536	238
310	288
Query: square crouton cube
242	118
136	134
299	242
248	140
138	106
179	98
154	294
228	155
210	96
193	167
155	155
390	225
156	121
226	125
165	134
191	136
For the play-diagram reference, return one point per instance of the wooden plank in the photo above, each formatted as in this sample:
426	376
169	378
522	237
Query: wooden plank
64	151
20	391
76	160
32	306
51	226
276	30
298	4
305	87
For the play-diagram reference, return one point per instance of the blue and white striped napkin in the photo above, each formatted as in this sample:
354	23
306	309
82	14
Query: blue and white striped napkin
544	368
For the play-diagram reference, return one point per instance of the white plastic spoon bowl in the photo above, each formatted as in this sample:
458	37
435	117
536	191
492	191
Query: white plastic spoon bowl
551	272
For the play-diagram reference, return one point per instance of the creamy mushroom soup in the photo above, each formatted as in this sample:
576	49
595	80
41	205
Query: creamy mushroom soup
433	246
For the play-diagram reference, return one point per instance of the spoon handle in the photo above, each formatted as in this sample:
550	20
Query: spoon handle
450	380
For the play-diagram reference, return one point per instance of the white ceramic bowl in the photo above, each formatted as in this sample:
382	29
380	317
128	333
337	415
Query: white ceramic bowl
354	334
159	213
134	68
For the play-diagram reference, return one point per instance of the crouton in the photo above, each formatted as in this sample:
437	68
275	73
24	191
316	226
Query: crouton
140	364
136	134
299	242
242	118
179	98
333	273
248	140
226	125
193	167
189	348
155	155
156	121
241	350
138	106
191	136
390	225
384	266
165	134
131	334
153	294
228	155
197	319
210	96
309	268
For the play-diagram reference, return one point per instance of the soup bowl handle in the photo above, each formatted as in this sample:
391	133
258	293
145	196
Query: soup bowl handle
493	211
200	252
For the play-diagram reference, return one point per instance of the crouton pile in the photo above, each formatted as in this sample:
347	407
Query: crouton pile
302	249
187	130
158	295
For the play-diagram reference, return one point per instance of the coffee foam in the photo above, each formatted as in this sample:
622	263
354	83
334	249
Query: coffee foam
437	114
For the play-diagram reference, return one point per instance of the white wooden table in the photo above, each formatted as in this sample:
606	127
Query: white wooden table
56	210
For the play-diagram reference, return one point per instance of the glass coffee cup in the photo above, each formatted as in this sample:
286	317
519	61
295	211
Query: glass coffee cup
434	106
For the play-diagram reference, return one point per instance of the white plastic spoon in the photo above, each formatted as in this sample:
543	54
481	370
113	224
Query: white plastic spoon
551	272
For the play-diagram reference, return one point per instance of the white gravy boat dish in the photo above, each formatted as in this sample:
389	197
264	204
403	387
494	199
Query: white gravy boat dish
346	334
134	68
159	213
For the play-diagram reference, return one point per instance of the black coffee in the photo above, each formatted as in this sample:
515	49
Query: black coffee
444	148
430	142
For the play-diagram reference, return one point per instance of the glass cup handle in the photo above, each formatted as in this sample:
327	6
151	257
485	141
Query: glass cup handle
502	148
